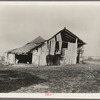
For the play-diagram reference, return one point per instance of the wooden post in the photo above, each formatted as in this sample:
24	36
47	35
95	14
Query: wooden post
76	50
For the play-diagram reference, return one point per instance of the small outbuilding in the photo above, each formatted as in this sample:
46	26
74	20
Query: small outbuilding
23	54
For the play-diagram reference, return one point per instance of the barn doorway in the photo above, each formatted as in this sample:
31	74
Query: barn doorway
26	58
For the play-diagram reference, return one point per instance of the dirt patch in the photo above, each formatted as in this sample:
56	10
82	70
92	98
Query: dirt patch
40	87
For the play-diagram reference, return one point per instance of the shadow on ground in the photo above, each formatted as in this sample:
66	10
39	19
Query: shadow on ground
11	80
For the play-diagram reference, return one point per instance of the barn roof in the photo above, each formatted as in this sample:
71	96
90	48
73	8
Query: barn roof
29	46
67	36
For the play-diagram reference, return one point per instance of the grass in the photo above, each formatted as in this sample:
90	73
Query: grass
79	78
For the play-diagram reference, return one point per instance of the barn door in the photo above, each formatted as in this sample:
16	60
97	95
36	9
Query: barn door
70	54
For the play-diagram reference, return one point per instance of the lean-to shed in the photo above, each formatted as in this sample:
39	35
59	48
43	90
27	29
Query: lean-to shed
23	54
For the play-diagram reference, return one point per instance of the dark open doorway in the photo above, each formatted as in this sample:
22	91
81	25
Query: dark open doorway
27	58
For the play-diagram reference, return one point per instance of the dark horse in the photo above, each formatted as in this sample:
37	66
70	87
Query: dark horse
53	60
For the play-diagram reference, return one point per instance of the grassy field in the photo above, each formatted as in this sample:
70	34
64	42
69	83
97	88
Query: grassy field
79	78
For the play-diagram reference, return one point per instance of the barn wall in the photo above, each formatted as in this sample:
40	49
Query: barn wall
36	56
57	40
44	53
11	58
67	51
70	54
48	48
39	55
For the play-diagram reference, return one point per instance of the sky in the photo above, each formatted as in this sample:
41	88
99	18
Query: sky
21	22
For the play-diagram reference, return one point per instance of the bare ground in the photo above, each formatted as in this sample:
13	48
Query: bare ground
79	78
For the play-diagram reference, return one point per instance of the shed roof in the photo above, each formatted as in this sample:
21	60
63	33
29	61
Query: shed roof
26	48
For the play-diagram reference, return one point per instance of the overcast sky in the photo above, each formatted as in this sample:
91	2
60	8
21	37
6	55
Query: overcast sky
21	22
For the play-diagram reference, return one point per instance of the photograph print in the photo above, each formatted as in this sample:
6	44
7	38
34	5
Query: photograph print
49	47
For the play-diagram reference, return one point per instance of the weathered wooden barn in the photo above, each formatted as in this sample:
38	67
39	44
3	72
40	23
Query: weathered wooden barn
61	49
